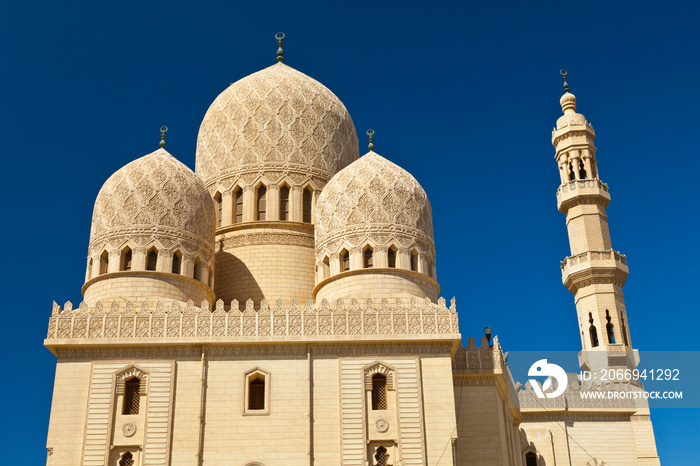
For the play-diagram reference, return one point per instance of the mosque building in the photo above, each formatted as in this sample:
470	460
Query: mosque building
280	306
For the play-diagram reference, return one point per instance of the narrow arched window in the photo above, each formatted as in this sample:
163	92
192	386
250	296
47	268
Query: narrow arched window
609	328
530	459
379	392
104	262
326	267
219	209
127	459
382	457
256	393
368	258
284	203
581	170
430	267
152	260
624	331
177	262
131	396
391	257
344	261
238	202
210	277
126	260
307	206
572	176
414	261
197	273
593	333
261	202
90	269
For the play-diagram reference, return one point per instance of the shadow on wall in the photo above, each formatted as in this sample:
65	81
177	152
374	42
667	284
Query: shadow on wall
233	280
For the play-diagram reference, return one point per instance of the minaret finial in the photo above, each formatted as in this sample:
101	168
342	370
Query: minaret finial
280	53
563	74
370	146
163	130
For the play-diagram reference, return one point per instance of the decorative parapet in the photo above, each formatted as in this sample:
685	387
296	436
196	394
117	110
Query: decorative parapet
590	256
594	267
578	190
171	322
485	365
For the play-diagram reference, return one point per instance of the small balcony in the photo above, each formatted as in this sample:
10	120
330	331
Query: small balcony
609	266
578	190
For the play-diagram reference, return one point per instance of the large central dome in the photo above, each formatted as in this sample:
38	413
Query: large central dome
278	120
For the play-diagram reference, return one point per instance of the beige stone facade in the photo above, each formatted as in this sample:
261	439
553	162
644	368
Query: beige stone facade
281	307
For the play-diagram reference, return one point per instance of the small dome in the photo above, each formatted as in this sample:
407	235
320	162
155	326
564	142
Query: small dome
278	120
154	200
568	106
374	199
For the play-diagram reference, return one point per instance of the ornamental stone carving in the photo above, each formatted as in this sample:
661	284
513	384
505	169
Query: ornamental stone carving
154	200
275	120
373	200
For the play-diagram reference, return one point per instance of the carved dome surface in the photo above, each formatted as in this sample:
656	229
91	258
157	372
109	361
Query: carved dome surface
155	198
373	200
275	120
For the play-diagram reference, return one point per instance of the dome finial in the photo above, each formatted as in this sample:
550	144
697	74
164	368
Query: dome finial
370	146
280	53
163	130
563	74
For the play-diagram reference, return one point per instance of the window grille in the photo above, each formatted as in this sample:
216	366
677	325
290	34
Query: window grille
392	258
379	392
131	396
345	261
127	459
284	203
382	457
307	206
104	263
256	394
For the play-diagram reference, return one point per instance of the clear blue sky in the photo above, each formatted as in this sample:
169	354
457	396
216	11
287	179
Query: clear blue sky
463	95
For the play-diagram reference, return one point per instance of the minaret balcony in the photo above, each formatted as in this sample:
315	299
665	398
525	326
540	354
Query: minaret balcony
582	191
594	267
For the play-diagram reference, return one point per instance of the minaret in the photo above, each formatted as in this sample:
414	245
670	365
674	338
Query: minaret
594	272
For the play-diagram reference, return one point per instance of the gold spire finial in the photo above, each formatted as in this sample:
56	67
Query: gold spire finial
280	53
563	74
370	146
163	130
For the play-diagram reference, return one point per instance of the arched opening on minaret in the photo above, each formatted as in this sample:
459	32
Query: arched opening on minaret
344	260
624	331
572	176
261	202
592	331
391	257
609	328
306	205
368	257
104	262
152	259
238	206
284	202
177	262
219	209
126	259
581	170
